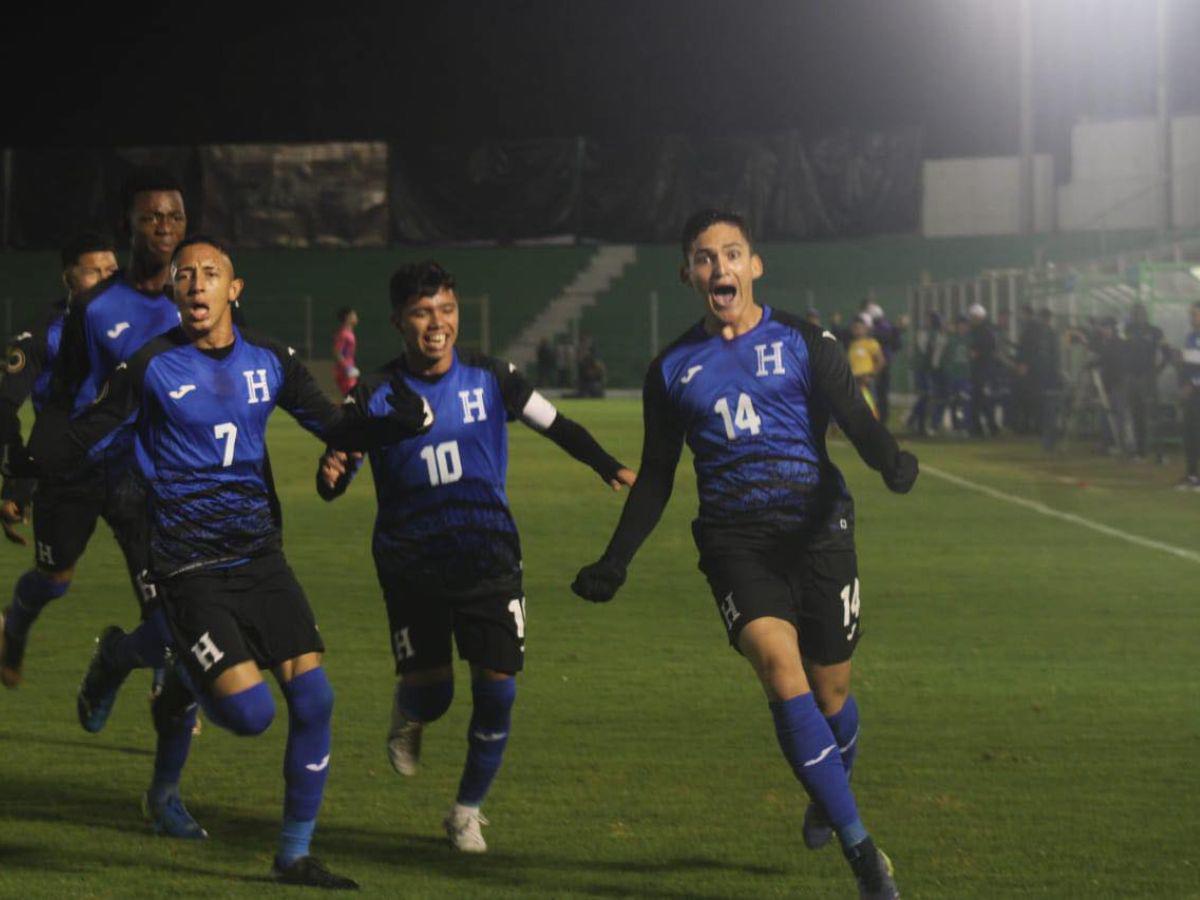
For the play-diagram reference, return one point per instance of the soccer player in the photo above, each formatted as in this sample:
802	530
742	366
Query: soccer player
751	390
88	259
345	372
202	394
445	544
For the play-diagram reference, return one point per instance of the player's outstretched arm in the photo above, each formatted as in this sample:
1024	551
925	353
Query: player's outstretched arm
870	438
60	445
346	427
542	416
662	444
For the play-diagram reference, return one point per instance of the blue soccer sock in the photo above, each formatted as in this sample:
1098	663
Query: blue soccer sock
174	742
306	759
425	702
844	725
32	592
487	737
811	748
145	646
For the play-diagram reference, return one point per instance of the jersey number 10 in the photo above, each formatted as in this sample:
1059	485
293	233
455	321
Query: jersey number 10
443	462
744	417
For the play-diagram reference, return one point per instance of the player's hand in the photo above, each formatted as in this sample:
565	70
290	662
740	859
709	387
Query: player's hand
11	515
902	478
334	466
624	477
409	408
599	581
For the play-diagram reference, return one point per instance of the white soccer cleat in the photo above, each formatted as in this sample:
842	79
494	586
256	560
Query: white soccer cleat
463	827
404	743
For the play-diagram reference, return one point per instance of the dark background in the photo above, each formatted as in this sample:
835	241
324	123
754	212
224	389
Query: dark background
196	73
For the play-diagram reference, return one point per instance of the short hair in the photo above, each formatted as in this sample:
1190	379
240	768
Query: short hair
143	179
86	242
703	219
421	279
222	245
344	313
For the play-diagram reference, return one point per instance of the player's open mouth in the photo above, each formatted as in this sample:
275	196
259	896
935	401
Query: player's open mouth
723	295
197	312
436	342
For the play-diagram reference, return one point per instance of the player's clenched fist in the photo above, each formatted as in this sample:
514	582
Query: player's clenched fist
599	581
409	408
902	477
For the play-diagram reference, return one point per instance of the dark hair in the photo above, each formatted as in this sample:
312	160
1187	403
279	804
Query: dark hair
344	313
143	179
86	242
208	239
422	279
706	218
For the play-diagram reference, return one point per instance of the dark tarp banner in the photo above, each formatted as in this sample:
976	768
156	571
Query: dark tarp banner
790	188
296	195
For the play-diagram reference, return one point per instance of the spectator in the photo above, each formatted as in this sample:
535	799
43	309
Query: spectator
1147	355
926	368
866	359
1109	358
564	358
954	374
1189	376
982	342
1041	365
838	329
1022	396
345	345
592	373
545	363
890	339
813	317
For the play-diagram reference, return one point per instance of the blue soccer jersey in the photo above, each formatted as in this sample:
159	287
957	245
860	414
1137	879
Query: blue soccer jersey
443	512
200	441
1190	360
105	327
754	411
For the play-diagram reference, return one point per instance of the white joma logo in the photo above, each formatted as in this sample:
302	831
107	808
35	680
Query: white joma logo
182	391
317	767
116	331
690	374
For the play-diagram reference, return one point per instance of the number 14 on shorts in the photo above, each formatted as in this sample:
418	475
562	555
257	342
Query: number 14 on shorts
850	608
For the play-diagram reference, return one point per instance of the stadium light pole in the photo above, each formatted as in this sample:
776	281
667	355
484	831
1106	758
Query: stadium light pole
1025	52
1162	98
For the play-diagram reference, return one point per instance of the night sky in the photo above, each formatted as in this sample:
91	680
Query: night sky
456	70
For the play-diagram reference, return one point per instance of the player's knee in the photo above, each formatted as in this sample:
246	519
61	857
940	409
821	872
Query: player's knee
425	702
310	697
831	697
59	578
247	712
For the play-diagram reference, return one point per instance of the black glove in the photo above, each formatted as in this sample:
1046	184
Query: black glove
903	475
599	581
409	408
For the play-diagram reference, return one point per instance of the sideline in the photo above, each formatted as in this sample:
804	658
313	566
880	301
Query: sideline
1045	510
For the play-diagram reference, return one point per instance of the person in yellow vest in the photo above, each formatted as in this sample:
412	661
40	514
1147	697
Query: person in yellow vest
866	359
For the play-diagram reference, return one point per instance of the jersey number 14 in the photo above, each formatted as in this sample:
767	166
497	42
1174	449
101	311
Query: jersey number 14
743	418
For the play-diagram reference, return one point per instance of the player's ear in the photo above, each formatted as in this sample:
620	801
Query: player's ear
756	266
235	289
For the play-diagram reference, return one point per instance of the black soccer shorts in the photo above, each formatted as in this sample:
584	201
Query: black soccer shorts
64	520
253	612
489	630
780	576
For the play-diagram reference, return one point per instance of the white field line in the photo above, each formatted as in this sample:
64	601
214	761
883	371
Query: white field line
1053	513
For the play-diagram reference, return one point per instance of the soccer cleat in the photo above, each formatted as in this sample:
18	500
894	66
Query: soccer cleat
817	830
98	690
12	655
404	743
171	818
309	871
463	828
873	871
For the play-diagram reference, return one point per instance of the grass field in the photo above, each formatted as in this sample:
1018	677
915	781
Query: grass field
1030	692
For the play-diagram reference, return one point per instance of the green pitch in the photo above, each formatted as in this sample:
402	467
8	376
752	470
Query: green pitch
1029	690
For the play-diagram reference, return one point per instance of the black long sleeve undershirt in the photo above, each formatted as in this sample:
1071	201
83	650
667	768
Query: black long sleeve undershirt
579	443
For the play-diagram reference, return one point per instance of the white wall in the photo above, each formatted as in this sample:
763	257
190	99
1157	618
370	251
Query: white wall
982	195
1115	180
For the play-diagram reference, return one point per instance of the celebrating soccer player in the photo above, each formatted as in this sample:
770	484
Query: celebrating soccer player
751	390
445	543
202	394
